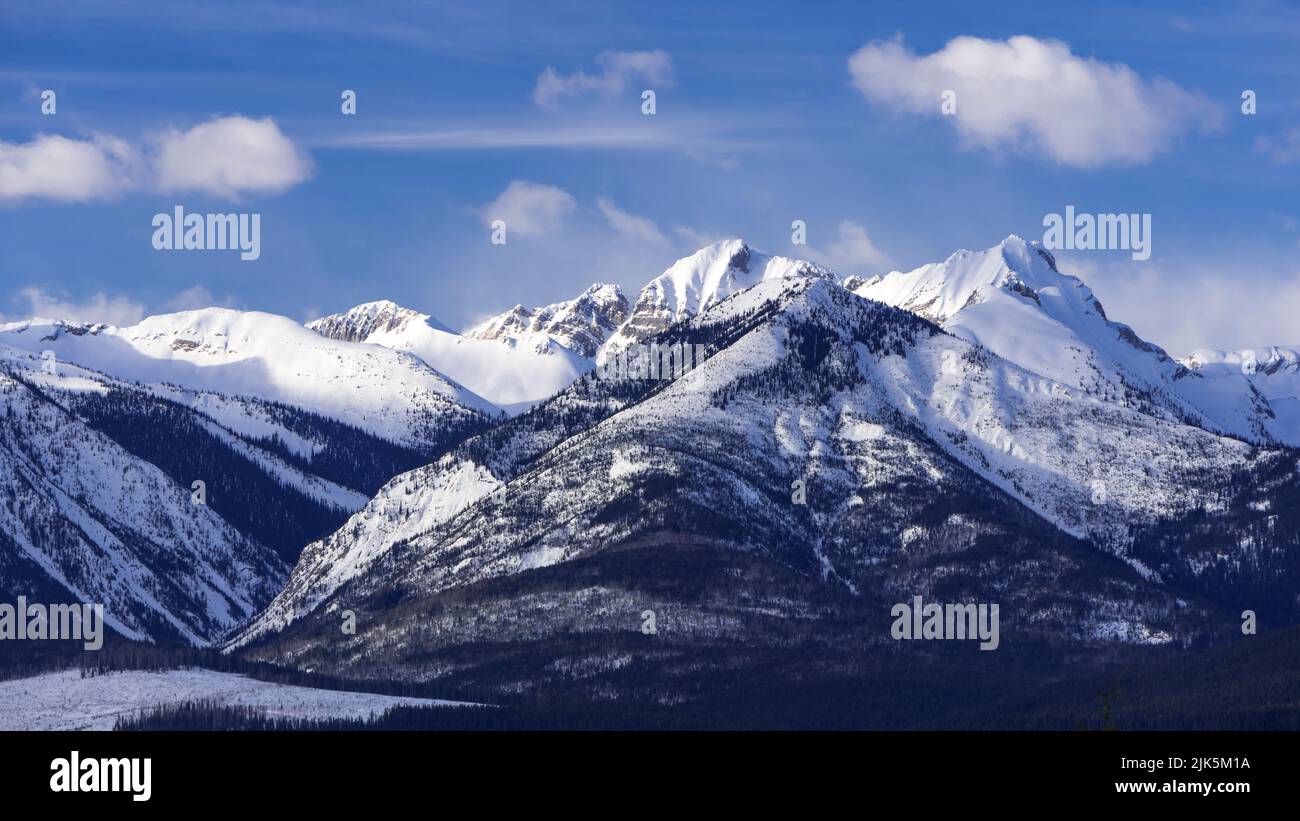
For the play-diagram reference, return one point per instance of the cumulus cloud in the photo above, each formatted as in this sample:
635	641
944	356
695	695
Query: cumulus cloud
628	225
852	252
1035	95
116	310
228	156
223	157
58	168
529	208
616	69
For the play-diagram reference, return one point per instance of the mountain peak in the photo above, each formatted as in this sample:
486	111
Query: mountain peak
359	323
938	291
694	283
580	324
1013	300
735	252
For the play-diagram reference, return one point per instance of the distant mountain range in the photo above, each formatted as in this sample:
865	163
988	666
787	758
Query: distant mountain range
493	512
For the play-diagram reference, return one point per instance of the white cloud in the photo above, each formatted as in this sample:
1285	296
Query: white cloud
1184	309
118	310
1281	149
853	251
706	140
1034	95
101	307
58	168
228	156
529	208
224	157
616	68
630	226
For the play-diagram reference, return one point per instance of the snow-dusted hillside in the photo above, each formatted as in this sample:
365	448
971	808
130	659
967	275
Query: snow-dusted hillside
1275	372
99	502
85	516
387	393
67	701
243	424
286	431
406	507
1012	300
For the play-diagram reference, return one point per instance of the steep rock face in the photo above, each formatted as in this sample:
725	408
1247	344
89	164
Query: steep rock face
1012	300
581	325
364	321
926	466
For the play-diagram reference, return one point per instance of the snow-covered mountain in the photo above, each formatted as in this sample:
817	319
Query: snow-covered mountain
581	325
1274	371
831	454
1012	300
83	520
514	360
109	431
976	430
389	394
694	283
372	319
525	355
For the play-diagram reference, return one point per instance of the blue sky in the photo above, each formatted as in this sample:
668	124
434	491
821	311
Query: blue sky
765	113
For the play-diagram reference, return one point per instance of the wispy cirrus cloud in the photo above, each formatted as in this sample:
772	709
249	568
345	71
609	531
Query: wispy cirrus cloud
630	226
851	252
615	69
1198	304
224	157
1283	148
700	138
1035	95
